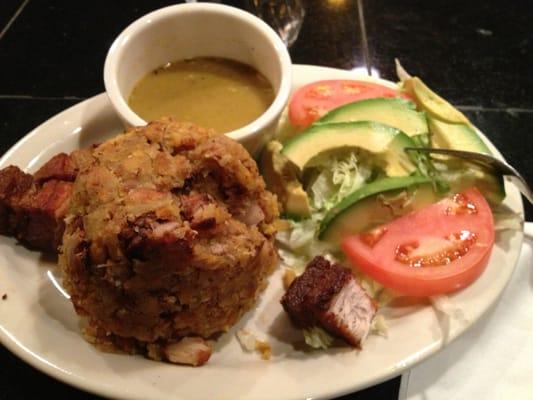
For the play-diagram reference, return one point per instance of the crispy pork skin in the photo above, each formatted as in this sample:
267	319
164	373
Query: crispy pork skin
14	184
40	215
328	295
32	208
61	167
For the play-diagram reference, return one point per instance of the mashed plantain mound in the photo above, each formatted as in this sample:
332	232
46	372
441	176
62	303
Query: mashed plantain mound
169	234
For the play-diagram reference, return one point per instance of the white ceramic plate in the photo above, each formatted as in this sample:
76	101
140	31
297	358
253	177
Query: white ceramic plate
38	323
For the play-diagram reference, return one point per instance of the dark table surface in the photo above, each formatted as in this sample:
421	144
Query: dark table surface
477	54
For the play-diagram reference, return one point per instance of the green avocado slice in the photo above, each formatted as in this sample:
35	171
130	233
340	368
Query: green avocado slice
381	140
363	210
456	136
280	178
465	137
397	113
431	102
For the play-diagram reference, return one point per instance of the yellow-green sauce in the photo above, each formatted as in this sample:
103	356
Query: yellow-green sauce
212	92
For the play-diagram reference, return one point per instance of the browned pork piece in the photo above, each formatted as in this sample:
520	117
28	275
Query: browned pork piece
194	351
168	240
328	295
32	208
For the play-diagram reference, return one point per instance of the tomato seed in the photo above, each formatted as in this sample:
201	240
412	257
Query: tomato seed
458	245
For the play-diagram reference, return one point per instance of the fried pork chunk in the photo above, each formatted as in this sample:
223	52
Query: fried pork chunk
169	234
32	208
328	295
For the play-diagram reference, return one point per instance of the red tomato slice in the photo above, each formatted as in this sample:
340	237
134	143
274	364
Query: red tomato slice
312	101
436	250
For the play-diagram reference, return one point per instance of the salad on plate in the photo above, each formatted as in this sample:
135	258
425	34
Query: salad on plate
402	223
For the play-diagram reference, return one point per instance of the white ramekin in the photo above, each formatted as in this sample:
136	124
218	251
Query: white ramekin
199	30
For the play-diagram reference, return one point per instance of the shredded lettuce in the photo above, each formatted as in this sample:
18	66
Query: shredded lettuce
317	337
299	245
447	306
449	314
507	219
336	176
300	236
372	287
322	190
379	326
343	174
376	290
